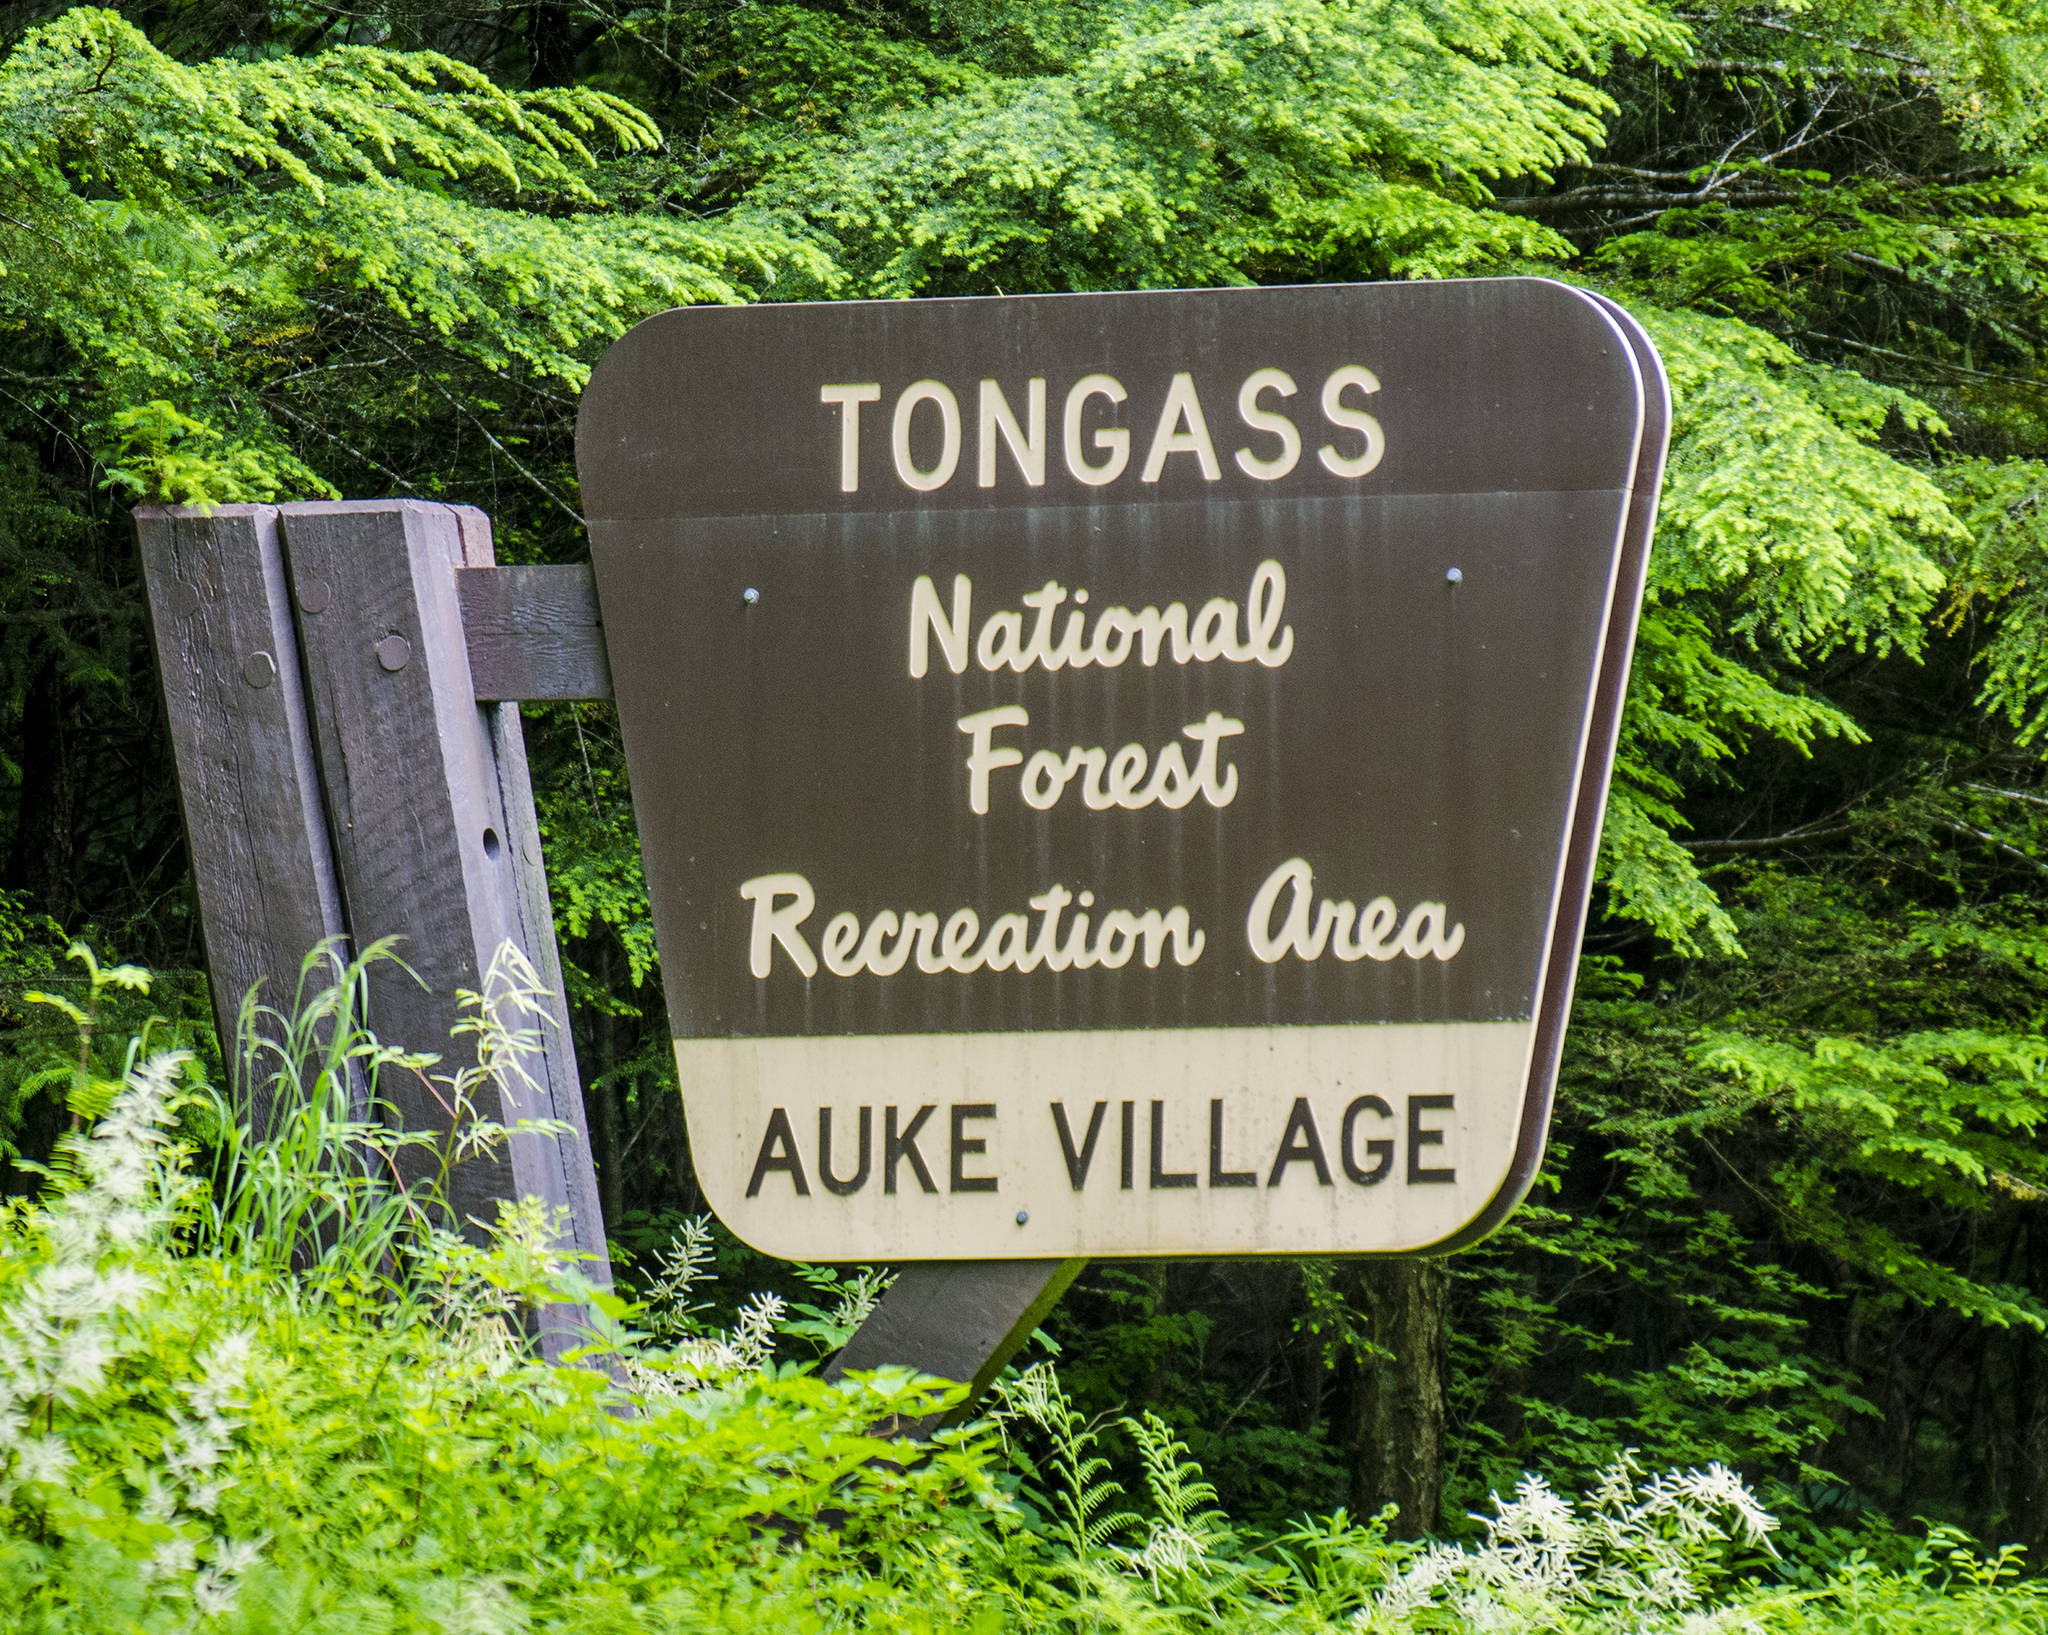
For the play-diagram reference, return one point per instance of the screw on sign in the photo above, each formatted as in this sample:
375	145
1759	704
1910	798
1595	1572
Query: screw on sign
1120	774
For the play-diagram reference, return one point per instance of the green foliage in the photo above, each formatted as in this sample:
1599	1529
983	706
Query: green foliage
175	230
58	1055
193	1451
1790	1165
203	1433
2001	503
310	1166
1082	1492
1158	144
1783	536
1791	1220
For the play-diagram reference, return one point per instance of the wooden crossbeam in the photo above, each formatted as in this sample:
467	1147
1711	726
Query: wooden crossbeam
534	633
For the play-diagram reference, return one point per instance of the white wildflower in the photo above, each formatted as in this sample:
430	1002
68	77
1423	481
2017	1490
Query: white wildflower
159	1501
223	1372
1621	1546
175	1558
204	1497
62	1332
685	1262
1170	1552
859	1297
1690	1497
197	1446
1031	1396
41	1458
213	1591
753	1336
237	1556
696	1360
707	1355
57	1335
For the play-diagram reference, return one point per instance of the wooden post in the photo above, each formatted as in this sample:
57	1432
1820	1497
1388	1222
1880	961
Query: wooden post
434	831
228	657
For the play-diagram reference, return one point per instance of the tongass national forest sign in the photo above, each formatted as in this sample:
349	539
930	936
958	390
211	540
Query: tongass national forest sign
1119	774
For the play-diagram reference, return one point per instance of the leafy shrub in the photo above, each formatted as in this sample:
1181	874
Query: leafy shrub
244	1389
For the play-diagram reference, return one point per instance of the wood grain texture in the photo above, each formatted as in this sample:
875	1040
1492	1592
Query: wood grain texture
234	700
429	847
560	1168
534	632
958	1320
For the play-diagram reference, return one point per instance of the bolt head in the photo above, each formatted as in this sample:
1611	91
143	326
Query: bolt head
259	670
394	652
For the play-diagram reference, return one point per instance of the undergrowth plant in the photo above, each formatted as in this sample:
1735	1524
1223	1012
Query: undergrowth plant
253	1380
312	1170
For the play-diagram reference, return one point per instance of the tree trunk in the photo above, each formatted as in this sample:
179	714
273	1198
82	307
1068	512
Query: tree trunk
2030	1388
601	1098
550	47
43	859
683	1190
1391	1390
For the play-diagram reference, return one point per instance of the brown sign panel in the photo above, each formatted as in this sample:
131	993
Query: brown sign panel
1119	774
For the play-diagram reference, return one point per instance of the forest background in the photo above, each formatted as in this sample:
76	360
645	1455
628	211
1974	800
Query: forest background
1795	1214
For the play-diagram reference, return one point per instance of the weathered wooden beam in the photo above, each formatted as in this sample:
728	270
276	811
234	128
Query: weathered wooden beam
262	861
434	832
534	633
959	1320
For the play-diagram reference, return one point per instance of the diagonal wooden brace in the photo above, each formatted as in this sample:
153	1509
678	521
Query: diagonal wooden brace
957	1319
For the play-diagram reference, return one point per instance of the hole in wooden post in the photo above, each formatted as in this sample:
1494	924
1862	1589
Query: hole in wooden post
491	847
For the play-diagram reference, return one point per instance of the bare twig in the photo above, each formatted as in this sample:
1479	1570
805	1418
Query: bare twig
1614	198
1992	841
1802	70
326	369
2009	794
1923	362
400	349
1859	46
343	443
1772	843
518	465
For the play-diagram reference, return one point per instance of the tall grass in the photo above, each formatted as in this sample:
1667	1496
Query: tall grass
313	1181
